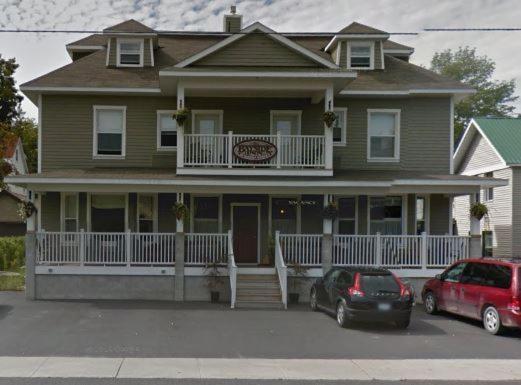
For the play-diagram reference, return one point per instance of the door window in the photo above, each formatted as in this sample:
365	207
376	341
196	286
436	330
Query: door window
454	273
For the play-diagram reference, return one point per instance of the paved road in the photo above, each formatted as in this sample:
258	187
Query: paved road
69	381
165	329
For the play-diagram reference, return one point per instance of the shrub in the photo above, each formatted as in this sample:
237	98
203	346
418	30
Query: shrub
12	253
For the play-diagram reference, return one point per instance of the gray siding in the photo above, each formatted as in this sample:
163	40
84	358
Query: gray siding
147	54
112	51
516	212
378	65
50	211
460	213
500	215
479	154
9	209
256	50
439	214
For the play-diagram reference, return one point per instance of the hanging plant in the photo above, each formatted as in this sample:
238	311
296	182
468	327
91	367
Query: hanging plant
181	116
478	210
329	118
330	211
180	210
25	210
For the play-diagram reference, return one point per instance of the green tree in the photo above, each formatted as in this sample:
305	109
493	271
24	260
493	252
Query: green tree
10	99
27	130
493	98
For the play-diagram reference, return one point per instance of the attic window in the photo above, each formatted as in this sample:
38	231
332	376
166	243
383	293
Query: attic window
130	53
360	55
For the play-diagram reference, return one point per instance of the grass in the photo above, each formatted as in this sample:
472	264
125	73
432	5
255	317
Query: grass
13	282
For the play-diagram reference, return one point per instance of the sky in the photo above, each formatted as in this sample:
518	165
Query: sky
38	54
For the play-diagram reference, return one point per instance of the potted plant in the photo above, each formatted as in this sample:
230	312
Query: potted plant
298	271
329	118
330	211
181	115
25	210
478	210
214	279
180	211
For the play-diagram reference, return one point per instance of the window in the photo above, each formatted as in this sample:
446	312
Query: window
383	142
340	126
500	276
385	215
485	274
489	192
130	53
311	207
146	213
69	210
454	273
108	213
166	130
347	216
109	131
487	243
284	215
360	55
421	215
206	214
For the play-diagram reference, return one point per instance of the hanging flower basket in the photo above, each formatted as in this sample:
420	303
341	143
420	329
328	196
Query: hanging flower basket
180	210
181	116
25	210
478	210
330	211
329	118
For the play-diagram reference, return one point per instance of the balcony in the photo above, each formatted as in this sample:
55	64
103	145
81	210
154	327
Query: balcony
239	154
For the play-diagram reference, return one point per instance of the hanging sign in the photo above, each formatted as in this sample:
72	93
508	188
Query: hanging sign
254	150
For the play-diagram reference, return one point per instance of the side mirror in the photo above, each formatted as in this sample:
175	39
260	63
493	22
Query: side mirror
439	277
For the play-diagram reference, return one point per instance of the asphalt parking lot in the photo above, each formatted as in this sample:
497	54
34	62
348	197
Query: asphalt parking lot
166	329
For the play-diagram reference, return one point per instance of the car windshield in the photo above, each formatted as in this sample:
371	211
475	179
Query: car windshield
379	283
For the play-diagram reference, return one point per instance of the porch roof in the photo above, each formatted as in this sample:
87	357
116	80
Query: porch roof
166	180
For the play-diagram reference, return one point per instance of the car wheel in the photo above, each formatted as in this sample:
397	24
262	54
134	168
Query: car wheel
491	321
313	300
341	317
429	303
403	324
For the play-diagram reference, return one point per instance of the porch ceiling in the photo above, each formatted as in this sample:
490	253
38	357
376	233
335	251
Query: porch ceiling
343	182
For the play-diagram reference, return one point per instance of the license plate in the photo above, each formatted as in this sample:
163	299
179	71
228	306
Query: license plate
384	306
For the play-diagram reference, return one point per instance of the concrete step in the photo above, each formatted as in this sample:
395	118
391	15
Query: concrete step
259	296
263	291
258	285
259	304
257	278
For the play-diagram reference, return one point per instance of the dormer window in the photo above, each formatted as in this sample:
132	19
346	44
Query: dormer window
130	53
360	55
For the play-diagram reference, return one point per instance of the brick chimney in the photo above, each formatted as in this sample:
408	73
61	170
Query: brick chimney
232	21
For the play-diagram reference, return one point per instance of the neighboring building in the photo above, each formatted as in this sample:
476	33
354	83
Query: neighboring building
491	147
12	196
254	157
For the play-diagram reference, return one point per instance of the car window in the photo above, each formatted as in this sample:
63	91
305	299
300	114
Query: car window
454	273
344	279
500	276
374	283
476	274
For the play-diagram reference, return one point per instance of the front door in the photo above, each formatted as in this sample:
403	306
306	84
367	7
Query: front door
245	227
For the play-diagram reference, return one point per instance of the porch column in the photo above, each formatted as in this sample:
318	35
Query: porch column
180	129
328	131
179	285
327	240
475	250
30	253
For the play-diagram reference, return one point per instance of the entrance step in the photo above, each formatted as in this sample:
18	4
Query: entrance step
258	291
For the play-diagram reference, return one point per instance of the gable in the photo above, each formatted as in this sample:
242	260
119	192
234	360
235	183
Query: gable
479	155
256	50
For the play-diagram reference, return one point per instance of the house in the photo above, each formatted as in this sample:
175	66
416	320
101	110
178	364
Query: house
490	147
133	203
11	196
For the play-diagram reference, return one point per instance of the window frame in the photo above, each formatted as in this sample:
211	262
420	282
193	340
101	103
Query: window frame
219	210
397	121
339	218
63	218
220	113
360	44
403	212
343	140
159	147
95	154
488	192
427	207
141	52
154	212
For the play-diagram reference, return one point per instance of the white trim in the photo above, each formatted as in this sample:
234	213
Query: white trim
427	214
151	53
343	141
422	91
361	44
141	54
155	212
270	33
397	120
382	54
158	131
89	207
108	53
220	113
249	204
451	215
451	138
91	89
484	170
338	53
367	36
407	52
40	114
62	210
261	74
95	154
83	47
254	171
131	34
297	113
104	270
231	16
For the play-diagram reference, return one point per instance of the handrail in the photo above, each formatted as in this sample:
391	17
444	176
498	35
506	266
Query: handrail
282	270
232	270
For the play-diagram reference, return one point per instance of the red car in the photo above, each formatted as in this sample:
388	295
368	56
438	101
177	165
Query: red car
486	289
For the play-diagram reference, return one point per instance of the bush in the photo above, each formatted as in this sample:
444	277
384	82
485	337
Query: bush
12	253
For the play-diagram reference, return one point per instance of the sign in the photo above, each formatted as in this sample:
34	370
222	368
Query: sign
254	150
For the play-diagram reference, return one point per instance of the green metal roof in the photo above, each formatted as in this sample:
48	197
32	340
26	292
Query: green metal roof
505	135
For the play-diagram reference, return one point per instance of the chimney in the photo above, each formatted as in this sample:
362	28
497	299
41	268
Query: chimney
232	21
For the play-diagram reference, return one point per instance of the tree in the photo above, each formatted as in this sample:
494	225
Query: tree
492	98
27	130
10	99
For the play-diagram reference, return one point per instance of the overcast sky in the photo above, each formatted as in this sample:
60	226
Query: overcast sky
38	54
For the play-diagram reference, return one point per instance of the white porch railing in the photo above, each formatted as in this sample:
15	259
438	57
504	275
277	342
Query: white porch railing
293	151
282	270
92	249
442	250
203	248
232	270
304	249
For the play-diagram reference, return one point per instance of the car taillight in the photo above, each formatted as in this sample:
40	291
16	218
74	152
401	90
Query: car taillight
355	290
515	305
405	292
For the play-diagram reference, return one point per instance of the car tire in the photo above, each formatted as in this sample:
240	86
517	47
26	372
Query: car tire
313	300
403	324
429	303
341	316
492	321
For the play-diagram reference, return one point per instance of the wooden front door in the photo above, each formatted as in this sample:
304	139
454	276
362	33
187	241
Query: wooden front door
245	233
